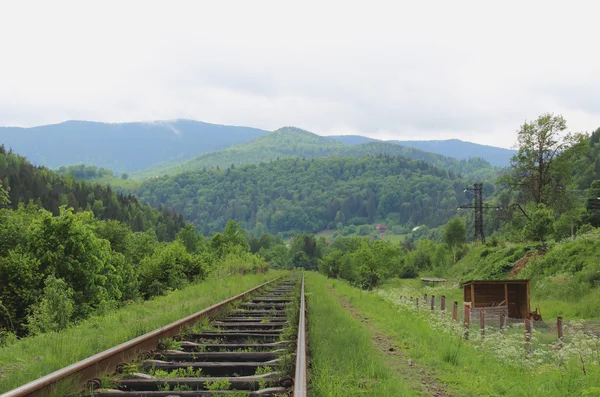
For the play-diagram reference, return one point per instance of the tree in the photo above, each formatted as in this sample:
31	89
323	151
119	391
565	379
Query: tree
536	168
455	234
125	176
592	204
53	312
4	197
540	224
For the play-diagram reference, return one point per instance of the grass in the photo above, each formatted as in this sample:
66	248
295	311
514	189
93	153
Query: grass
344	362
33	357
465	370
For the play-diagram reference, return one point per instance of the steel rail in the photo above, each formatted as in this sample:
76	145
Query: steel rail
300	378
108	360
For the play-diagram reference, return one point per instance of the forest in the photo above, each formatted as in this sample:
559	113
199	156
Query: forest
294	142
308	195
47	189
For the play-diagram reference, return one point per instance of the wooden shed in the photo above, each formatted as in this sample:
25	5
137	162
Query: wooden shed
510	297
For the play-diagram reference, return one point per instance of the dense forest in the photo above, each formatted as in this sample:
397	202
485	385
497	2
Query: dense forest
50	191
294	142
309	195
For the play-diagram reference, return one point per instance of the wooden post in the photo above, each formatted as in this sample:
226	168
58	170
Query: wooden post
467	322
443	304
502	322
432	303
482	323
417	302
528	334
455	311
559	326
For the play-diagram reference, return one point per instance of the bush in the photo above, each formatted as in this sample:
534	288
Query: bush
53	312
364	230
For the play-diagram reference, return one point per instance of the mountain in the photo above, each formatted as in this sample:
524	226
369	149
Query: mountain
461	150
352	139
124	147
308	195
294	142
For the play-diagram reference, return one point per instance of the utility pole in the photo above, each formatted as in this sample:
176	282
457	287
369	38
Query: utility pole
477	189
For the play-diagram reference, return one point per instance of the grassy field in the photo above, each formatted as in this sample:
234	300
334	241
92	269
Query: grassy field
458	368
33	357
343	359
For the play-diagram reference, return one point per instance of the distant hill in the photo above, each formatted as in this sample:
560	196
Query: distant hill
455	148
352	139
123	147
308	195
294	142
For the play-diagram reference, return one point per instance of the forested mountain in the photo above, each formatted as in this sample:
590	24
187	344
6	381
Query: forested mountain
26	182
123	147
290	195
454	148
294	142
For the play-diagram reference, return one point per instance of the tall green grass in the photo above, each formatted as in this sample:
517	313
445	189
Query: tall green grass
33	357
344	360
465	370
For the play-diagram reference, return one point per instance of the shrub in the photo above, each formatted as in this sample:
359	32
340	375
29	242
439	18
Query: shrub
53	312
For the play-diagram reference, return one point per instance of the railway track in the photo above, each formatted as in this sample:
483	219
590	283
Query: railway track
253	344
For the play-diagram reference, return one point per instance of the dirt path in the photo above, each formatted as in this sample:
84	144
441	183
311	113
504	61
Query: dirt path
422	379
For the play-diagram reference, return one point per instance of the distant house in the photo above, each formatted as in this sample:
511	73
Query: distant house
381	228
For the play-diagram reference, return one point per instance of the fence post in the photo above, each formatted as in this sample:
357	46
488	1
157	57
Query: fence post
502	322
417	302
559	326
467	322
528	334
482	323
432	303
455	311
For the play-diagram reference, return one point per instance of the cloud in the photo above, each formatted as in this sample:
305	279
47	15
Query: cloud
396	70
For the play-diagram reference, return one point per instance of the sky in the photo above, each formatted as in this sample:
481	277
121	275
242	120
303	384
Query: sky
472	70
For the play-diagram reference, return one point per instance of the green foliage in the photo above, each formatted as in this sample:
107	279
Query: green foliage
537	169
53	312
48	190
220	384
167	268
540	225
4	197
306	195
291	142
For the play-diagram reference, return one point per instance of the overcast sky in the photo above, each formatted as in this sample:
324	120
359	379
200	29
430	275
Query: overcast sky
402	70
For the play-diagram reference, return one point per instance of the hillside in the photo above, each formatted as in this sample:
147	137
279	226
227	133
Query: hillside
455	148
28	183
297	195
294	142
123	147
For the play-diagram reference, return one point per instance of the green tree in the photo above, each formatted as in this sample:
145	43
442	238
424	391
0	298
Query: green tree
53	312
540	224
455	234
592	204
125	176
538	169
4	197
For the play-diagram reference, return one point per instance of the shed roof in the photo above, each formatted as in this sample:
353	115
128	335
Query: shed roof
512	281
